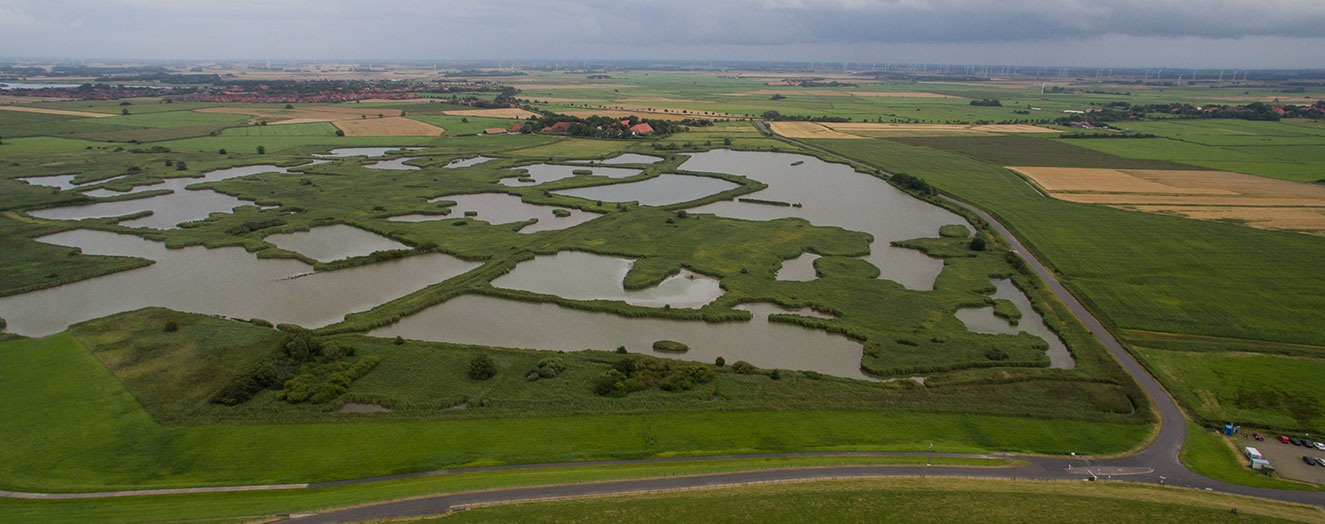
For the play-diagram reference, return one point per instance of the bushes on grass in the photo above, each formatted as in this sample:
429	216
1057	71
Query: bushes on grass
482	367
546	368
744	368
670	346
304	370
638	374
323	382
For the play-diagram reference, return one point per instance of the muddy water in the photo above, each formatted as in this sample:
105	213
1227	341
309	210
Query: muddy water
182	205
476	319
226	281
345	152
800	268
542	173
628	158
585	276
501	208
329	243
466	162
983	320
395	165
835	195
658	191
58	181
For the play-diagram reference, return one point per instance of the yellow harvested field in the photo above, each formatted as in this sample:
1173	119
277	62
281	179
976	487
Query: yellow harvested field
1014	128
806	130
505	112
393	126
1261	202
1308	219
27	109
837	92
297	121
1055	179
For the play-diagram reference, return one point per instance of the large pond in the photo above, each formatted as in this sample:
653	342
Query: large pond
329	243
395	165
800	268
586	276
628	158
835	195
346	152
983	320
466	162
226	281
182	205
662	190
501	208
478	319
541	173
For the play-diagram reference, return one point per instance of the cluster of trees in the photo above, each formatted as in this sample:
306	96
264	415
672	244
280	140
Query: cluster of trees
913	183
610	127
639	374
987	102
300	354
165	78
779	117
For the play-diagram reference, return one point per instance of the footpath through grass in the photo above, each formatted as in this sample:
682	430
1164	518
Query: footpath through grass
904	500
115	444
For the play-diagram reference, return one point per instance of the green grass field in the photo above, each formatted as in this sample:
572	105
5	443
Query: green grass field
1207	453
116	443
901	500
1253	389
248	506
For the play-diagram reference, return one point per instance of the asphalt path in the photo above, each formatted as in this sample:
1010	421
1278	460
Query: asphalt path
1157	463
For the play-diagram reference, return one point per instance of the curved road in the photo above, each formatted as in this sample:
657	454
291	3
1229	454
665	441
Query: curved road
1156	463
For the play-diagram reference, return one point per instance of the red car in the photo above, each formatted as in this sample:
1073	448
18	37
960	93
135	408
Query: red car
1283	438
1258	436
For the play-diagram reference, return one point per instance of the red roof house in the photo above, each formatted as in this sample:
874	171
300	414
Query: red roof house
641	129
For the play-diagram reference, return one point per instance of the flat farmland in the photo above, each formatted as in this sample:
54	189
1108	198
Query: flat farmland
841	92
393	126
64	112
1210	195
506	112
806	130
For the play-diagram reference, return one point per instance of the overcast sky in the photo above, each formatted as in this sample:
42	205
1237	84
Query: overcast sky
1096	33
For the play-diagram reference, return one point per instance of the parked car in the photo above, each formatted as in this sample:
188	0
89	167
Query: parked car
1295	441
1320	460
1258	436
1320	446
1310	461
1283	438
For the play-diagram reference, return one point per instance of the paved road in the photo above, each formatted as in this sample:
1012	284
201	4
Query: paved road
1157	463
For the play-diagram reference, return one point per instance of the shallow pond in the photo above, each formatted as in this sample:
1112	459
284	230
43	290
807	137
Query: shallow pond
835	195
58	181
395	165
628	158
182	205
466	162
983	320
225	281
501	208
800	268
541	173
345	152
334	242
478	319
662	190
586	276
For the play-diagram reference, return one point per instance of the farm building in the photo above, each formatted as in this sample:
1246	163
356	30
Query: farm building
641	129
559	127
495	131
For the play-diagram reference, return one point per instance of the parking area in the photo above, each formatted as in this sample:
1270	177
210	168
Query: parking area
1286	458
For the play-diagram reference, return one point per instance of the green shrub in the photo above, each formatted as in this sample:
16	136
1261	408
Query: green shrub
324	382
581	172
744	368
720	362
546	368
996	354
482	367
399	341
558	212
977	243
170	326
670	346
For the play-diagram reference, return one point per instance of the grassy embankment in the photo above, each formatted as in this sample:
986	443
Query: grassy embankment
903	500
